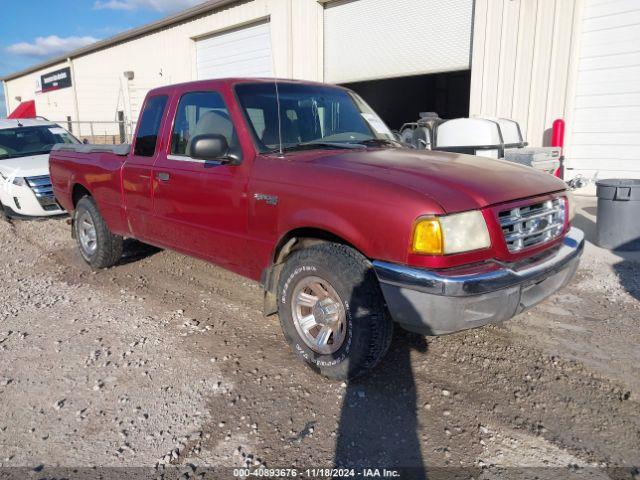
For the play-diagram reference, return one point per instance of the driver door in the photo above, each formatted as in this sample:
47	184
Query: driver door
201	205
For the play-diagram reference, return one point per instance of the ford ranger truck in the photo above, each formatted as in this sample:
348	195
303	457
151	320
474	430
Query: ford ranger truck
301	186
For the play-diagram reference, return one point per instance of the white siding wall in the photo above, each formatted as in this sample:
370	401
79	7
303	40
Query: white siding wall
102	88
522	61
604	135
169	56
306	40
54	105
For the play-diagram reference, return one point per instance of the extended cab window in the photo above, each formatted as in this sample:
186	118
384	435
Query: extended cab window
201	113
150	121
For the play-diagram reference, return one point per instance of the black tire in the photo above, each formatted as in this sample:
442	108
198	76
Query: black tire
108	247
3	213
369	328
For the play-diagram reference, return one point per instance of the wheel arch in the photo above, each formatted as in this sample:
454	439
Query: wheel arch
302	237
293	240
77	192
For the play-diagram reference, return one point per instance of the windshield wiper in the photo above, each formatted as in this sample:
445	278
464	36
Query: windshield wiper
315	145
345	145
376	142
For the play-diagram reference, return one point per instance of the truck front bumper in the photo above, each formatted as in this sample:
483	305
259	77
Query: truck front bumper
436	302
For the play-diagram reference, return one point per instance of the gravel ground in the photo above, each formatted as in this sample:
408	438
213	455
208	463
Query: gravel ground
167	361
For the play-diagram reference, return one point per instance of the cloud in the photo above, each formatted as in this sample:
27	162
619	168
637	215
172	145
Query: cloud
49	46
115	5
158	5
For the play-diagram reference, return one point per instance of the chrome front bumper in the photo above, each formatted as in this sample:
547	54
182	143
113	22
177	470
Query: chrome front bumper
436	302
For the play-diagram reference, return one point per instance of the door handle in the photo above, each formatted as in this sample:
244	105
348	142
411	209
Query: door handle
162	176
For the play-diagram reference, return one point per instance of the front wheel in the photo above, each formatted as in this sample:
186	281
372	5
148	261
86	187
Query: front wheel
98	246
332	310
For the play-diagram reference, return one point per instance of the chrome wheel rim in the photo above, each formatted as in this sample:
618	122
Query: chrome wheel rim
87	233
318	315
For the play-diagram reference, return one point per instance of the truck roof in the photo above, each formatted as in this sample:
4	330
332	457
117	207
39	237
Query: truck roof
231	81
25	122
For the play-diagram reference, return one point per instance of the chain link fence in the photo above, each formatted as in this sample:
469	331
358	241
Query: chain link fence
100	132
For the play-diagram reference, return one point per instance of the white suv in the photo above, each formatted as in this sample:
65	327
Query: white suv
25	186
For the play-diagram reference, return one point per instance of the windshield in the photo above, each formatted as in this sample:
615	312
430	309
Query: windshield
25	141
310	115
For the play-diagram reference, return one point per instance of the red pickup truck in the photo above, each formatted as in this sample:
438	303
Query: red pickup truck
301	186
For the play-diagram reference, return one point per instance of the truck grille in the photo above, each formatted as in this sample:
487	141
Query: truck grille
43	190
533	224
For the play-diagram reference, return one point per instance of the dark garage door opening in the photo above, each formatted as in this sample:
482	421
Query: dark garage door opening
400	100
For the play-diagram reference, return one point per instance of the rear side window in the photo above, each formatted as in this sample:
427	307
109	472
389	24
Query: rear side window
147	136
201	113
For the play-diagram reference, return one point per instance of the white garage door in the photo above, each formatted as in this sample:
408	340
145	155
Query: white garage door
370	39
245	52
605	129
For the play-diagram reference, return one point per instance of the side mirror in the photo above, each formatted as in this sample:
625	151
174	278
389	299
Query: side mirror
85	141
210	146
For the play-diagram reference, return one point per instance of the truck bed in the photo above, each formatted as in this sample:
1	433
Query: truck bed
92	168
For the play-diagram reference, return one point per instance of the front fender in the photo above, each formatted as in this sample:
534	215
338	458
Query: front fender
334	224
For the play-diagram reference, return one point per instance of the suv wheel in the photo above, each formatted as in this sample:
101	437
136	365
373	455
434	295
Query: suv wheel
3	213
332	310
98	246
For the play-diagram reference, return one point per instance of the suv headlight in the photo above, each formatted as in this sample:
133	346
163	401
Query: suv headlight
456	233
19	181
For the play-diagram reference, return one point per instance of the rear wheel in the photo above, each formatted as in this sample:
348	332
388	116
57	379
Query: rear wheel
98	246
332	312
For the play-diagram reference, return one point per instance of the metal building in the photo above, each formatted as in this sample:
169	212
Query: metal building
531	60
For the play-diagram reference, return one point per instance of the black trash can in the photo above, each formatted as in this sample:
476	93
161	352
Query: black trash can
618	221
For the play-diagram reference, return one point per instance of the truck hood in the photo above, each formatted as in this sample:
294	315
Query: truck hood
455	181
30	166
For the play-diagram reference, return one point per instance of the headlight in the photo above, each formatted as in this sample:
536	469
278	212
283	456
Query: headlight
456	233
19	181
571	205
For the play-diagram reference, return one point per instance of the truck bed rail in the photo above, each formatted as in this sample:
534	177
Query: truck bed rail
121	150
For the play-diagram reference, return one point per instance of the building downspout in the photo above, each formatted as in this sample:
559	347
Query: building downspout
572	85
75	96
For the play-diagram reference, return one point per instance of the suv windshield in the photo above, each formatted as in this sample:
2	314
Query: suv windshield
25	141
310	116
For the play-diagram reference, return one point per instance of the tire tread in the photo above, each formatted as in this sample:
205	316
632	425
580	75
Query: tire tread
352	267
